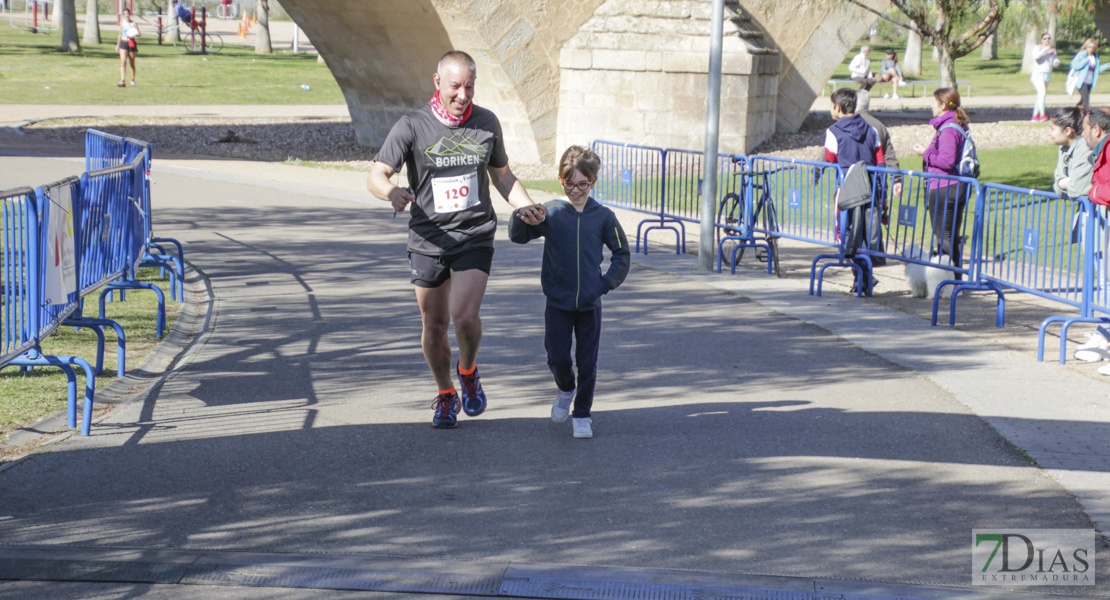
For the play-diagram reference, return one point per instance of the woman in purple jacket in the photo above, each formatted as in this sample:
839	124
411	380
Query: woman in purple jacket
947	200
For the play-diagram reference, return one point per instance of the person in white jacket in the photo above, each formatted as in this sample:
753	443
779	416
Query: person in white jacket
859	70
1044	59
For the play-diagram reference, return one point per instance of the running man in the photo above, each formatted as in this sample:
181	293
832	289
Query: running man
452	149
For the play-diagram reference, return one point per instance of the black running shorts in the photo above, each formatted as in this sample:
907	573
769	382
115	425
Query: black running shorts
432	271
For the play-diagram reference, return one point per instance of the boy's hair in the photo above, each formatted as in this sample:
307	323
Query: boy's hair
1069	116
845	99
584	160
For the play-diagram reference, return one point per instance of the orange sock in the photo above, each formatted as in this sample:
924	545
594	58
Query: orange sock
469	371
450	391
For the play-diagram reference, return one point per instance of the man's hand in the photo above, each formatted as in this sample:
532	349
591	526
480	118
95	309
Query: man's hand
400	197
1063	183
533	214
897	189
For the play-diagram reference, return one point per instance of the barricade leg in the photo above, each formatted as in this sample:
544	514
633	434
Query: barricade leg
861	288
138	285
1041	335
121	341
36	359
179	262
1067	323
663	223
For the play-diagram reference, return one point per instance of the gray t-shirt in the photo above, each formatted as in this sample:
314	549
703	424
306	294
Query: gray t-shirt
447	172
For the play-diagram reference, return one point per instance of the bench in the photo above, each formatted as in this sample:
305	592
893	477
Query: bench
911	84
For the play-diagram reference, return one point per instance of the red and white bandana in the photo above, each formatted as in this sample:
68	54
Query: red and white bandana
445	117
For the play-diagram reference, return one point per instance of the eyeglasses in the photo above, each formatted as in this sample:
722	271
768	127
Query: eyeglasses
585	185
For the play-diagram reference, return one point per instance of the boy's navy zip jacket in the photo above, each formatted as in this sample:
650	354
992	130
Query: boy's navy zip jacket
572	253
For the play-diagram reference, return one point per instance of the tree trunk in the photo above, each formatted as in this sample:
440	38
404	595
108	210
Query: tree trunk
70	40
947	66
173	25
56	16
940	27
990	47
911	60
92	22
262	41
1032	38
1052	16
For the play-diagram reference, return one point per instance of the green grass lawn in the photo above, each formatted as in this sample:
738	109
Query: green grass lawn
34	71
1001	76
26	397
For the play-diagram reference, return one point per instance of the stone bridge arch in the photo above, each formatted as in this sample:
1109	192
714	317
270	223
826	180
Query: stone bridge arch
569	71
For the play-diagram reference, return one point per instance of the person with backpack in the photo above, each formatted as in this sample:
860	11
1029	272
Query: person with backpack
849	140
951	152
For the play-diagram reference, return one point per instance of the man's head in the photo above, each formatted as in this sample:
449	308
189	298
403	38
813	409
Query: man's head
863	100
866	50
1096	125
454	81
843	103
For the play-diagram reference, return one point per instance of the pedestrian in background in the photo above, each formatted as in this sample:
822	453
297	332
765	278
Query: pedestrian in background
127	45
1044	59
891	71
1085	68
946	199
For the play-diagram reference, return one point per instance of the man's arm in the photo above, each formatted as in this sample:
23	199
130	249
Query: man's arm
379	184
515	194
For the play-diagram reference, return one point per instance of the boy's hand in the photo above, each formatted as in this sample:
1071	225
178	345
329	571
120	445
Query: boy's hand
533	214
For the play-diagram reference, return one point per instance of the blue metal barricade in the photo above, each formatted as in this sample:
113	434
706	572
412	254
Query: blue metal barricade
633	177
932	221
1088	238
802	194
19	316
1030	243
104	150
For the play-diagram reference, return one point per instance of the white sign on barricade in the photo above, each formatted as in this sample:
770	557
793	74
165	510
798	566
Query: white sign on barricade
61	264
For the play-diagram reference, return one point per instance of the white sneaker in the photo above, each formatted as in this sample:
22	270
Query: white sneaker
895	96
1104	370
901	84
1096	348
560	408
886	95
583	428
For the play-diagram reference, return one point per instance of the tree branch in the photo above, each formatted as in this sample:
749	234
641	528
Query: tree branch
910	26
981	31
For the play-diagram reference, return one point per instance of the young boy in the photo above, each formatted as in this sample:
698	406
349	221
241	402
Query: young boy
576	229
848	140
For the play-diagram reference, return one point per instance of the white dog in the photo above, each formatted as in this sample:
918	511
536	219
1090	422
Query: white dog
923	281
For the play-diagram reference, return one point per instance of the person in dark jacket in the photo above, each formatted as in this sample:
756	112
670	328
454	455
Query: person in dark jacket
849	140
575	230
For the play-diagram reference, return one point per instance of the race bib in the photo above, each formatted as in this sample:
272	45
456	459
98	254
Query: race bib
453	194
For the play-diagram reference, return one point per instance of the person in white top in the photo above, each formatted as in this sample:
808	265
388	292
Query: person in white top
1085	68
127	46
1044	59
859	70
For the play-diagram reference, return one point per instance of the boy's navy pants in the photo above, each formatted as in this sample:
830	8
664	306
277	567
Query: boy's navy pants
584	328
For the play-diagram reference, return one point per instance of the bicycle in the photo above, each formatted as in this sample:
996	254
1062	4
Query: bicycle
190	41
739	233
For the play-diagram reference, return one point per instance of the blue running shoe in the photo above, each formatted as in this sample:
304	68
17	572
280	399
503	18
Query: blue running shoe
447	409
473	398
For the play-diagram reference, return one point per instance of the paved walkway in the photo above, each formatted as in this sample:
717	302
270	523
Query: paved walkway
745	429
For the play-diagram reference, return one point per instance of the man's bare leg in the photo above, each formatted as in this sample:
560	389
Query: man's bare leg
467	291
435	315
